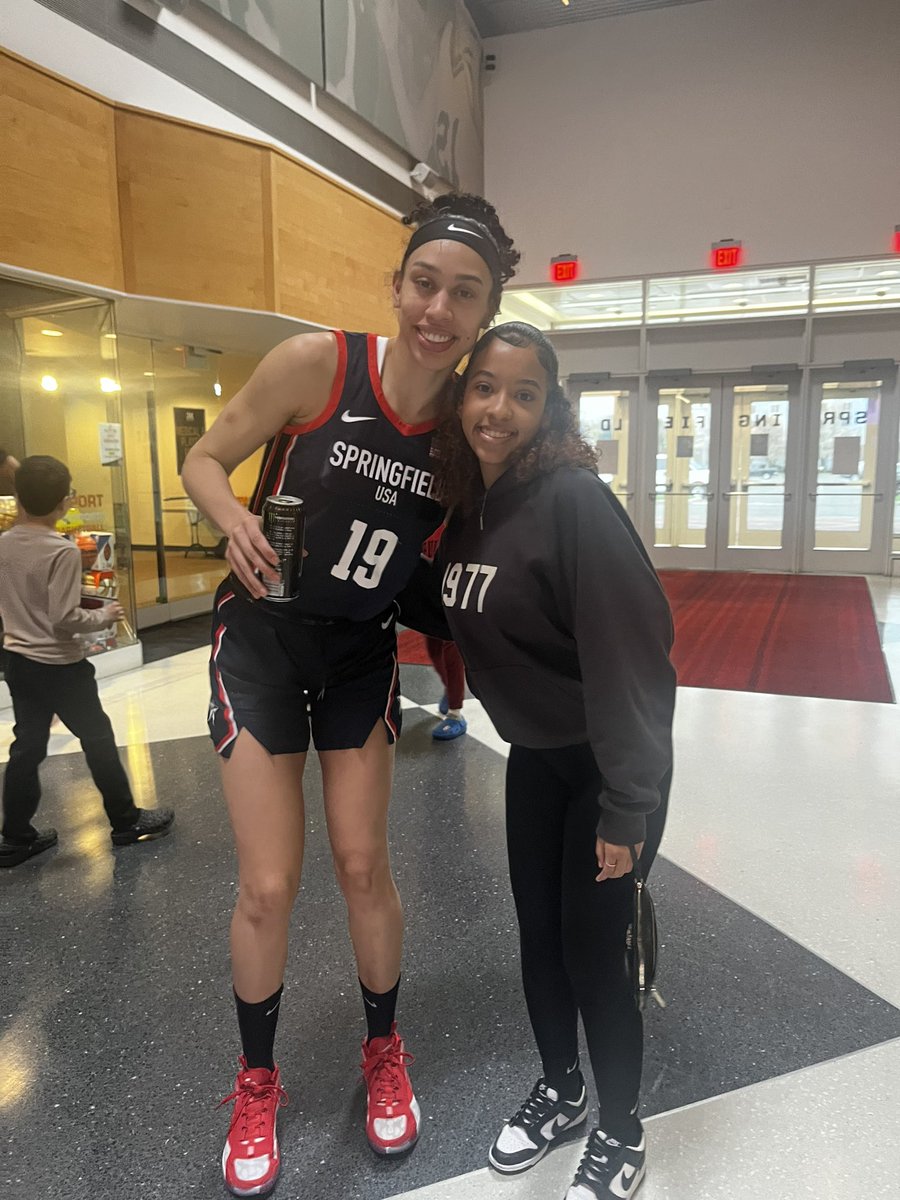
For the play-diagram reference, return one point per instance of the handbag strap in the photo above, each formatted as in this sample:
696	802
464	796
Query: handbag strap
636	864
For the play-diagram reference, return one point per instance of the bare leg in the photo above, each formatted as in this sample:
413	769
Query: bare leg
357	785
264	793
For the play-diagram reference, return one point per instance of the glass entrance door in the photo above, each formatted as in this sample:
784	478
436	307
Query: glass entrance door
852	471
605	419
725	474
685	474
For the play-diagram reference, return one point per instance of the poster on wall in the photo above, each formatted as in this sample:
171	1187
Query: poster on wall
190	426
292	30
412	68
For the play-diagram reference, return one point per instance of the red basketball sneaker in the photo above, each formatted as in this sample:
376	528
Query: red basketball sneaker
392	1115
250	1160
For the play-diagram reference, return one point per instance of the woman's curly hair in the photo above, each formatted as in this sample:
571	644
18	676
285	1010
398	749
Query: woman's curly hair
558	442
476	208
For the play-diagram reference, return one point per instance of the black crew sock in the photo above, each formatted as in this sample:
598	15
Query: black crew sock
257	1023
380	1009
625	1129
568	1084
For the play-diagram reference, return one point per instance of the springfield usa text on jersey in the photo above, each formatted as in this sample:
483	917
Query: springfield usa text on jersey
383	470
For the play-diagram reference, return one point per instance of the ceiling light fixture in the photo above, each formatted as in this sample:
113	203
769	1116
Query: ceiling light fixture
109	385
49	383
52	332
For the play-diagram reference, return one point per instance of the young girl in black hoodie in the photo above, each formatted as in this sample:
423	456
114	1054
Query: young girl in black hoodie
565	633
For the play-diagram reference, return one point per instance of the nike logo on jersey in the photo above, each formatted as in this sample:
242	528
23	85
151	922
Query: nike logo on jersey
387	623
348	419
460	229
622	1184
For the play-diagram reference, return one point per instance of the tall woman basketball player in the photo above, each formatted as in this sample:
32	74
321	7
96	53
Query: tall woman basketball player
347	422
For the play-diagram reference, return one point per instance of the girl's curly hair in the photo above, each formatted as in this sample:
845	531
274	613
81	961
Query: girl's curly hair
476	208
558	442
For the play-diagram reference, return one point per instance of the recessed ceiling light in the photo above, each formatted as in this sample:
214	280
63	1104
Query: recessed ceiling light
52	332
149	374
109	385
112	336
48	383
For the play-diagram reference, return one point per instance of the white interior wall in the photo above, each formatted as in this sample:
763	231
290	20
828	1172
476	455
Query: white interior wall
637	141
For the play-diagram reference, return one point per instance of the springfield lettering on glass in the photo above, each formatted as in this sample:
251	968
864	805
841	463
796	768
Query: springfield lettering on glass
773	419
830	417
686	422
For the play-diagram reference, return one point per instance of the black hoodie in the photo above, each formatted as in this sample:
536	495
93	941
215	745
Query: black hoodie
565	632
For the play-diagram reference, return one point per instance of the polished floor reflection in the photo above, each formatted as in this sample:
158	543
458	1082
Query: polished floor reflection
779	1052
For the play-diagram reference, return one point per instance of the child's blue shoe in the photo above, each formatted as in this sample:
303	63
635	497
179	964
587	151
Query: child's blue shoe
449	728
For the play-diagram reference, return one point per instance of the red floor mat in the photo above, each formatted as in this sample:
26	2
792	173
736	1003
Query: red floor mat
792	635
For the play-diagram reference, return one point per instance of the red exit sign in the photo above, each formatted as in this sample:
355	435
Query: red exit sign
726	255
564	268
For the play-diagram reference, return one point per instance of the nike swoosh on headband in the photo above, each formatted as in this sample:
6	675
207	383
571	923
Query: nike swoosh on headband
462	229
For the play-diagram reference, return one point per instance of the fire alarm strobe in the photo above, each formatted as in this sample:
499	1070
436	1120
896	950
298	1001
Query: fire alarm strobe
564	268
726	255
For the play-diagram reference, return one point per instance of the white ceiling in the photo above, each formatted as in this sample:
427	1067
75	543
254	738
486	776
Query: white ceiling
495	17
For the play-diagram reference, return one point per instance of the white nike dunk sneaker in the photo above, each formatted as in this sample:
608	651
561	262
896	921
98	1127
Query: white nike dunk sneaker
544	1120
609	1169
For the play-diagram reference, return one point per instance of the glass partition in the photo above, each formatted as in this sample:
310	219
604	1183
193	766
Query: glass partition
60	395
172	393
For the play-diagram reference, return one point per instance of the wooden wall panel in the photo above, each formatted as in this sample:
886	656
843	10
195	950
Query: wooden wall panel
58	204
192	204
146	204
333	251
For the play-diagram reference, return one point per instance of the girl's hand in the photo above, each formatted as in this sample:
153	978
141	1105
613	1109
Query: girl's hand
614	861
249	552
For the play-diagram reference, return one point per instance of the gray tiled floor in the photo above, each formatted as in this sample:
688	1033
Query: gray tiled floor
120	1037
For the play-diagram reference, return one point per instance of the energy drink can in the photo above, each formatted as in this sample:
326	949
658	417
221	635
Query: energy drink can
284	527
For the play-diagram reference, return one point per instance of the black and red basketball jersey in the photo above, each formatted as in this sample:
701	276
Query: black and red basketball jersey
365	478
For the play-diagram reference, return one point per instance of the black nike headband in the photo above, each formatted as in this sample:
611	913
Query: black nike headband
449	228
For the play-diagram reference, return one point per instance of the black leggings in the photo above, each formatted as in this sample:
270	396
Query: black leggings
572	929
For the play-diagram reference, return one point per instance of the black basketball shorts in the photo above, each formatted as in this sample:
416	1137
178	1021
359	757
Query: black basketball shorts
281	676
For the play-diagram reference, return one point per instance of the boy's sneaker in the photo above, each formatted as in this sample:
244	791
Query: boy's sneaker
13	853
393	1116
151	823
250	1160
609	1169
544	1120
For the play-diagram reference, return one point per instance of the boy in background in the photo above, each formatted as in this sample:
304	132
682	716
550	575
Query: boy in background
46	670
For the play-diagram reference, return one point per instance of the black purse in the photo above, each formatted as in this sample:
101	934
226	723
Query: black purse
641	941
